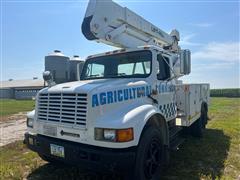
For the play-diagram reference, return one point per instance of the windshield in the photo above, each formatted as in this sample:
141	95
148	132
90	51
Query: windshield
135	64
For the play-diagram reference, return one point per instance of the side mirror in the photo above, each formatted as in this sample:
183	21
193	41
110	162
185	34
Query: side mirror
161	76
185	62
47	76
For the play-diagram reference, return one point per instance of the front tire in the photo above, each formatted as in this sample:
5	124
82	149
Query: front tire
150	155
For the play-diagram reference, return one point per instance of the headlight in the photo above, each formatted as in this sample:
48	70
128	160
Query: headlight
109	134
30	122
114	135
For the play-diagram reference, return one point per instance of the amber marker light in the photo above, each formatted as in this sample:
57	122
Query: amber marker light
125	135
114	135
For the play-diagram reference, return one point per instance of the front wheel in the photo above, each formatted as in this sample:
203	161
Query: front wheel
150	155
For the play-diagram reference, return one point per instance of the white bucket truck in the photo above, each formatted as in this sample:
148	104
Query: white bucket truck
129	108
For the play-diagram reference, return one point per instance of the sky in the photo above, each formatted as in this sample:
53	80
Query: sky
30	29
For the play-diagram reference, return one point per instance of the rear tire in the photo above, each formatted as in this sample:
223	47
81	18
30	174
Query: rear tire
204	117
150	155
197	128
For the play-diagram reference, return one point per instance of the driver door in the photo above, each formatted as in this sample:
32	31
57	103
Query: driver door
165	87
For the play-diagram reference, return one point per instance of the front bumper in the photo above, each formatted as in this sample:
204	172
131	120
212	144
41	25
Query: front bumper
84	155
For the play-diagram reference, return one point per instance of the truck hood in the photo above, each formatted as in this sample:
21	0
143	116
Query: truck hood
90	85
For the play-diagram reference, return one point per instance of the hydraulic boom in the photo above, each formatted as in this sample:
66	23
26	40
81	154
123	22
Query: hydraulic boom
106	21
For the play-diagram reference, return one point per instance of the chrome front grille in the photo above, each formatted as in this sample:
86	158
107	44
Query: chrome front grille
64	108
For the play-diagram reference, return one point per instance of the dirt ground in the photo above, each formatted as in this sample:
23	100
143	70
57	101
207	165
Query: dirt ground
12	128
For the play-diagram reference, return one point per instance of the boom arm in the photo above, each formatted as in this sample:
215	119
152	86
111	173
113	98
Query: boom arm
106	21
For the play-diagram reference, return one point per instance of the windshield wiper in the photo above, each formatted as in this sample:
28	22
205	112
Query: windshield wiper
118	74
95	75
115	75
91	76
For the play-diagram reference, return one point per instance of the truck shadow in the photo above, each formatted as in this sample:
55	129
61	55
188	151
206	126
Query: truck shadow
195	159
53	172
200	158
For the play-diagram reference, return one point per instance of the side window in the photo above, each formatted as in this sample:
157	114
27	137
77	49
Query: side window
164	69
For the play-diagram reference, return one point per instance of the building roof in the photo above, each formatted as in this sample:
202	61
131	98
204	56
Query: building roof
22	83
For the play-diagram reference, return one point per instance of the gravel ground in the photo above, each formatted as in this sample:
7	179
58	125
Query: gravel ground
12	129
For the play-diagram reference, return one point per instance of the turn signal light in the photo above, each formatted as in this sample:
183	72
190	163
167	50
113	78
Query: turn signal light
114	135
125	135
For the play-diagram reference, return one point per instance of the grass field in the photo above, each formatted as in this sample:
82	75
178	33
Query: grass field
11	106
215	156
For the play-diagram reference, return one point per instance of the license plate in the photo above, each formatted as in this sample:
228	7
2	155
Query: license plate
57	150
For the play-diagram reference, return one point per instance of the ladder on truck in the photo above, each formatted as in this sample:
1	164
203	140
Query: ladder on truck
107	22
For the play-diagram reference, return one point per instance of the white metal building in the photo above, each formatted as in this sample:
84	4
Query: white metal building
20	89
